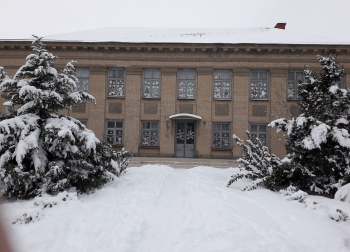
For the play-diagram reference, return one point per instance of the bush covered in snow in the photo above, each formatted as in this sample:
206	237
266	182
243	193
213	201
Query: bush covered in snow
338	215
318	140
41	151
292	193
343	193
36	212
262	167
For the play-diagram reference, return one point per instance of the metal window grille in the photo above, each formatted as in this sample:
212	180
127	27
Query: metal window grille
259	85
151	83
222	80
116	82
83	75
186	80
259	130
221	135
114	132
149	133
294	78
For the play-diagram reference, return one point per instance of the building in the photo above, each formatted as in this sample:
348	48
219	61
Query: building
183	93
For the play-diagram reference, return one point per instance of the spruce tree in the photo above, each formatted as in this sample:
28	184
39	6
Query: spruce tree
40	150
318	140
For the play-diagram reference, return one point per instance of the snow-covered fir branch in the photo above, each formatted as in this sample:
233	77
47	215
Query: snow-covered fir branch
318	140
262	167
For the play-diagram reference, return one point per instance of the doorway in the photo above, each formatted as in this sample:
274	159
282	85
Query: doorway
185	139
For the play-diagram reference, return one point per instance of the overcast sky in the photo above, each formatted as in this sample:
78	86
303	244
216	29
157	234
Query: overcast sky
22	18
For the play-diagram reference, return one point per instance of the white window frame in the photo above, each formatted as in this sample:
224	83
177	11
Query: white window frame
259	132
148	133
153	84
220	83
217	135
116	132
258	85
114	83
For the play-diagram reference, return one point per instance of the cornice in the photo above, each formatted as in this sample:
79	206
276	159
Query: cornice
218	48
189	58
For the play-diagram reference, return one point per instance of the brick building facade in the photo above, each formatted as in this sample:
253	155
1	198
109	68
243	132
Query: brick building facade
180	98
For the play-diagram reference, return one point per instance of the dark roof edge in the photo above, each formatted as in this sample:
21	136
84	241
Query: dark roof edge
172	43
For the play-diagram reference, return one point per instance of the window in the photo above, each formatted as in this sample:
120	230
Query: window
221	135
222	84
116	82
259	130
114	131
149	133
259	85
294	78
83	79
83	121
340	83
186	80
151	83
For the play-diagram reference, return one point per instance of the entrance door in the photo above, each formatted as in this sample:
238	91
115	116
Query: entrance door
184	142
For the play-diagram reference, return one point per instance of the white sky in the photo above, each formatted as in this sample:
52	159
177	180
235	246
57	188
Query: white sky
22	18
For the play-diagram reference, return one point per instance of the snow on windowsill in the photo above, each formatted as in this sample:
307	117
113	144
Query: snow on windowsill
149	147
221	149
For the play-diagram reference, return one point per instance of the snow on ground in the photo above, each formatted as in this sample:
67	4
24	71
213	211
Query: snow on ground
158	208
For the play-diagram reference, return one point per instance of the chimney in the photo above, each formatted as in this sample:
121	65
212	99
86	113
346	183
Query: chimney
281	26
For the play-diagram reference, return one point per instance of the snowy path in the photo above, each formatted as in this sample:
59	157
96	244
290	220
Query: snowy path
158	208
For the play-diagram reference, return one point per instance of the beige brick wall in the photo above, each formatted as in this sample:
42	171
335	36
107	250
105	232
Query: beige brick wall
169	61
203	108
167	108
240	120
132	126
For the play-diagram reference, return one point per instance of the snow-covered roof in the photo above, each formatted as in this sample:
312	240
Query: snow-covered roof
182	115
262	35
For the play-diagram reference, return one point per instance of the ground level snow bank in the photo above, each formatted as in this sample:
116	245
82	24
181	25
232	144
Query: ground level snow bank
158	208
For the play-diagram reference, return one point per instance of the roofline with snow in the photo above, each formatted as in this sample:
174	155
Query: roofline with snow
25	44
47	41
